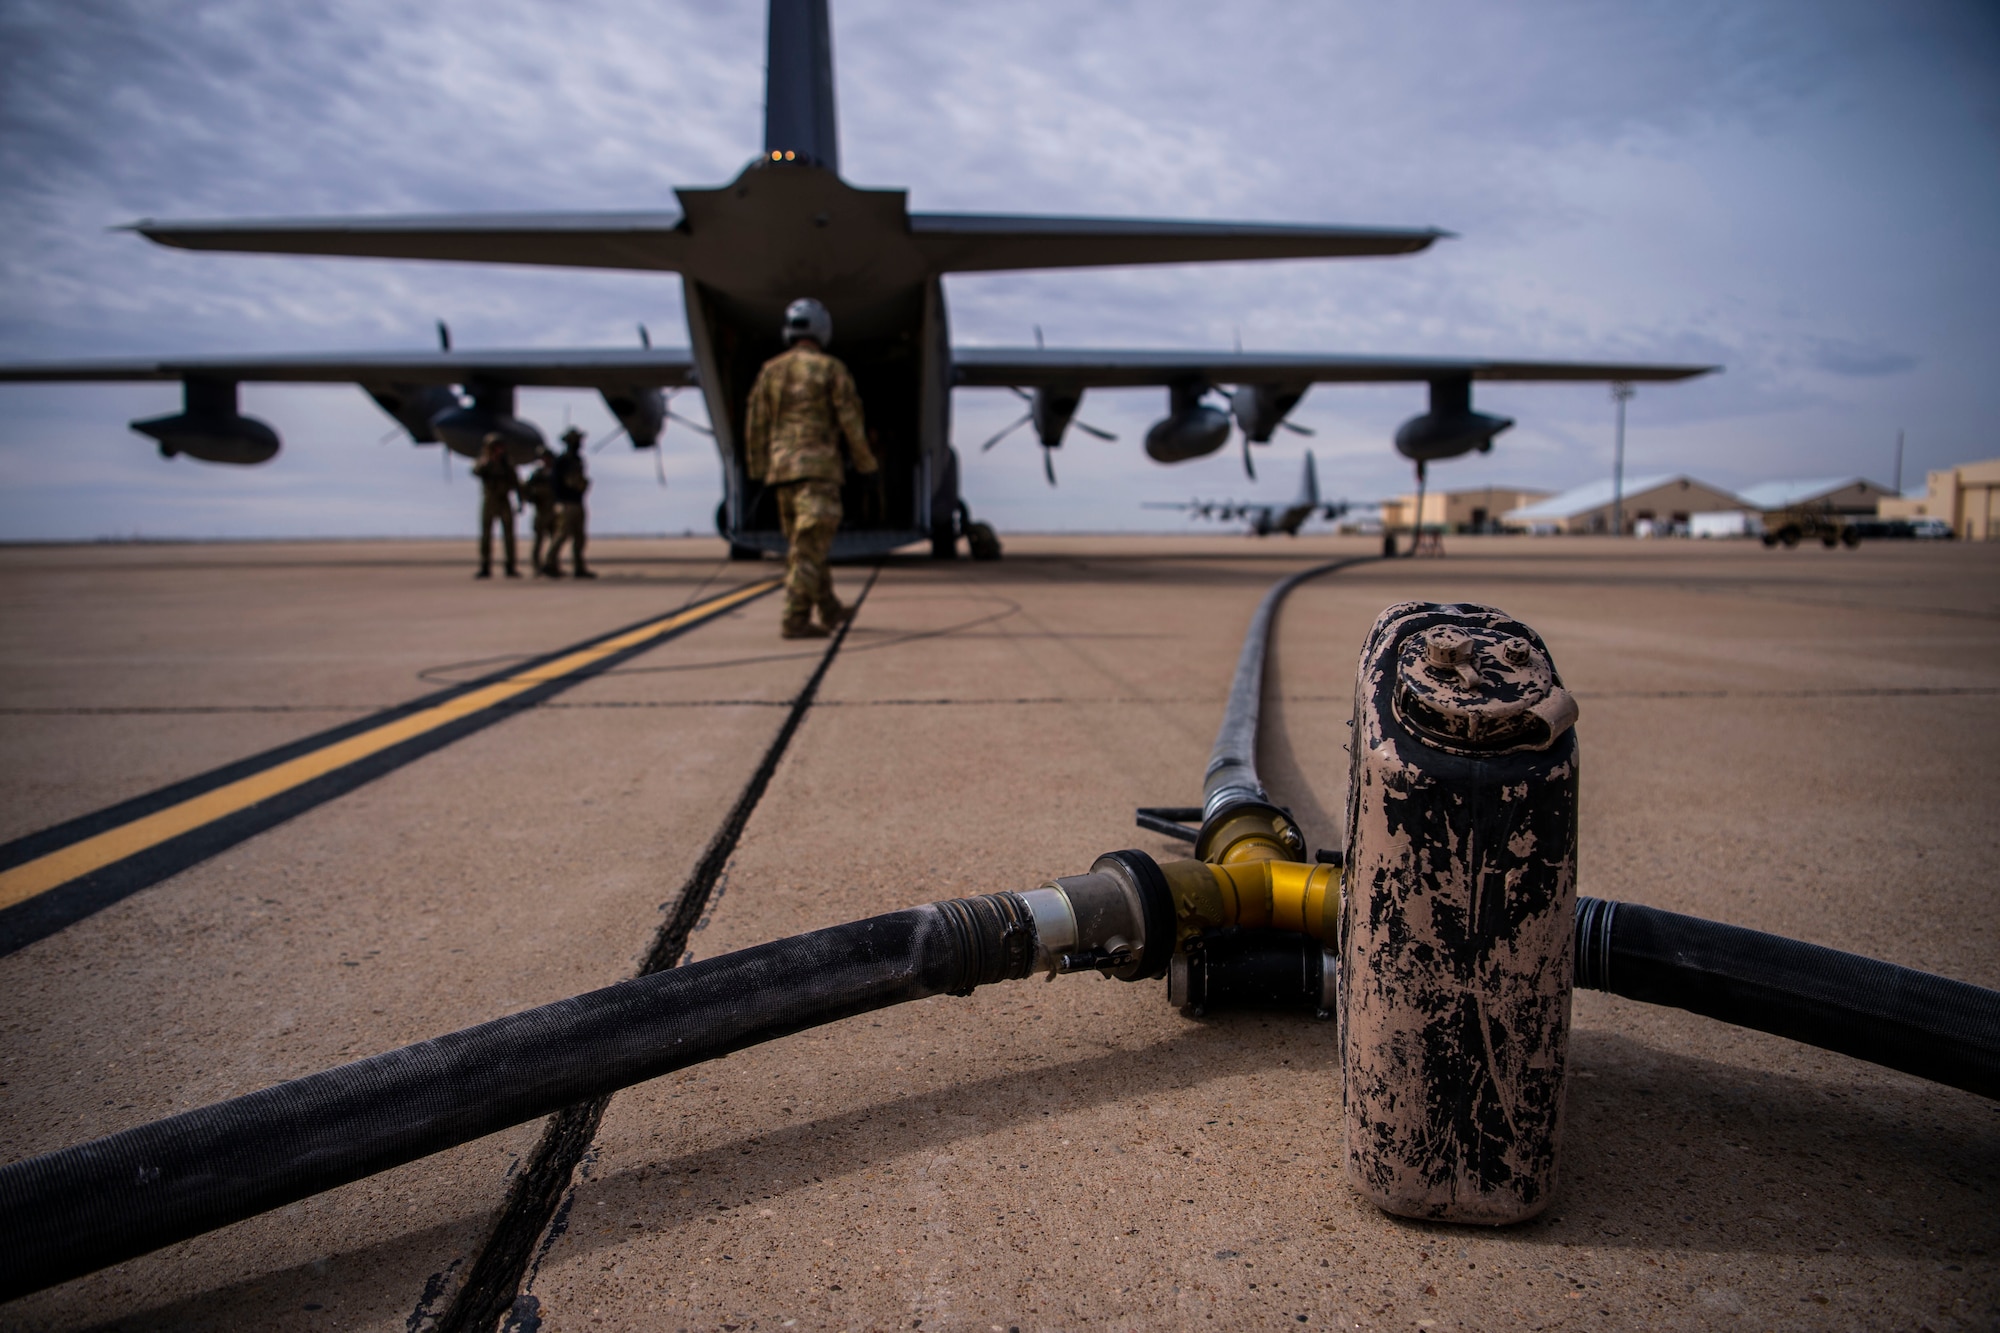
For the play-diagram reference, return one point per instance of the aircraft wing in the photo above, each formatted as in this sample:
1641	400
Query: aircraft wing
945	242
975	242
1000	367
573	240
584	369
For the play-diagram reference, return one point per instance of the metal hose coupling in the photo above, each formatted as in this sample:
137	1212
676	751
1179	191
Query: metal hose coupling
1117	919
1239	824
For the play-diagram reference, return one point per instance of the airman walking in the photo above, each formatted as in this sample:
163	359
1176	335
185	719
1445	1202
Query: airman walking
497	484
570	483
802	403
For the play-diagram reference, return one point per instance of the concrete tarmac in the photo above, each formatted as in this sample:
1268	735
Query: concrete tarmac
1797	741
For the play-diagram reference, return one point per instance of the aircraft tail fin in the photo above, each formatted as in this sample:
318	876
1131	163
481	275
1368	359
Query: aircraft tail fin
798	83
1309	484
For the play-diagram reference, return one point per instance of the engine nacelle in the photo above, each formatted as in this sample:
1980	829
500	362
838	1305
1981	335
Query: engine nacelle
1258	408
1431	436
1195	433
464	429
1052	409
210	428
1191	428
414	406
1451	427
641	411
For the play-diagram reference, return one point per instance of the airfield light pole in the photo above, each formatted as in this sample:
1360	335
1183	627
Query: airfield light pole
1899	463
1621	392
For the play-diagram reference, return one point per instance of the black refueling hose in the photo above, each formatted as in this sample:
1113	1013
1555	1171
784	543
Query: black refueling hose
79	1209
1231	778
1931	1026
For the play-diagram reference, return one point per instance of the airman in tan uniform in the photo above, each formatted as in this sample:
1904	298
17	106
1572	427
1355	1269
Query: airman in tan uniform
539	490
802	403
570	484
497	484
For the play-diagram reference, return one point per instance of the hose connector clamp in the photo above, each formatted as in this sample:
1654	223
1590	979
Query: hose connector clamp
1239	824
1117	919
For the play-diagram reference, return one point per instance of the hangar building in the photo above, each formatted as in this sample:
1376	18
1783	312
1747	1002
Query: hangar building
1662	499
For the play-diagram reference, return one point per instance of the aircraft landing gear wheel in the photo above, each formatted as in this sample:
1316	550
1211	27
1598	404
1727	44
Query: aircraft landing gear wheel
981	542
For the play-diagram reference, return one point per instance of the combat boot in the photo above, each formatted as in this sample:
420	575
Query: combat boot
800	627
833	615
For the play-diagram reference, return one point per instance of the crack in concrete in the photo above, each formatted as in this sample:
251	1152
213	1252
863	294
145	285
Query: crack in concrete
539	1196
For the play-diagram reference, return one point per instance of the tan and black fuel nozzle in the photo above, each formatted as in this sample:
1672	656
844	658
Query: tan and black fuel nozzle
1442	936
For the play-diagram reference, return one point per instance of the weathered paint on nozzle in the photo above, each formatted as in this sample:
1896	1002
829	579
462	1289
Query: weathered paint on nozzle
1457	916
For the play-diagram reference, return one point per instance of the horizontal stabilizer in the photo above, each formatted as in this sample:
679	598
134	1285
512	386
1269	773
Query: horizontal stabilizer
943	242
985	242
999	367
591	368
574	240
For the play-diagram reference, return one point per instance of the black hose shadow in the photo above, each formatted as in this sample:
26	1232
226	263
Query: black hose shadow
1663	1151
345	1287
777	1162
1675	1152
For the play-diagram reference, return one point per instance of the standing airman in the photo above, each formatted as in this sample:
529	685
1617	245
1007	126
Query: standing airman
570	484
802	402
497	483
539	490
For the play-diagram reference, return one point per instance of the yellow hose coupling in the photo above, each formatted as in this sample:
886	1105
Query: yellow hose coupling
1282	895
1250	831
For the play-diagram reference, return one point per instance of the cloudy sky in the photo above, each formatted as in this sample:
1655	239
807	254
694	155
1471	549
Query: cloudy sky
1807	191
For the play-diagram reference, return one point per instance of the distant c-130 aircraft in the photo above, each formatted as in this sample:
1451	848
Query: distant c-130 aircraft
1265	516
787	227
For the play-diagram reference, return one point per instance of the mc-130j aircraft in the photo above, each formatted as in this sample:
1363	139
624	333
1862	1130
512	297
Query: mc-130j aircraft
1266	517
788	227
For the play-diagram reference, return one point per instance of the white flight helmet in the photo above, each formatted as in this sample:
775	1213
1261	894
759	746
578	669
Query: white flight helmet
807	318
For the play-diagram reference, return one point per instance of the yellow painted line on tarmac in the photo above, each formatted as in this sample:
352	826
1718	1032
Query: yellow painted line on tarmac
59	867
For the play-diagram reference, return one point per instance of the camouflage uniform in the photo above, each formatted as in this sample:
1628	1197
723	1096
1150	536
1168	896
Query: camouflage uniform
570	484
498	481
540	493
803	401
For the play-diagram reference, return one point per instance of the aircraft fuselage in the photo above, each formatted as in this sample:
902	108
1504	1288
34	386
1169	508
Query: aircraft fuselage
784	230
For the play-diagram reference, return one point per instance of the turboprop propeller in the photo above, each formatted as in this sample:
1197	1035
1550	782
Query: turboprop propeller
1053	411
